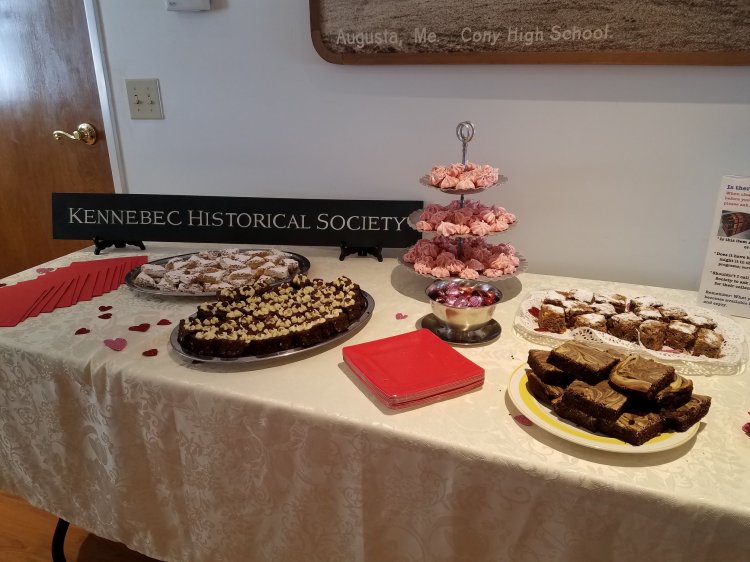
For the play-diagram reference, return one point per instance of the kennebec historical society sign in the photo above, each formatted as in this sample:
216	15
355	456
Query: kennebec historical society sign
248	220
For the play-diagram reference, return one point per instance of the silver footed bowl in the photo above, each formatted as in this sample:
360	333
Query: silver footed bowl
463	318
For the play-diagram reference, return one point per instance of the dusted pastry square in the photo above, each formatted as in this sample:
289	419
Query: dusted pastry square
552	318
618	301
680	335
708	343
624	326
652	333
592	320
575	308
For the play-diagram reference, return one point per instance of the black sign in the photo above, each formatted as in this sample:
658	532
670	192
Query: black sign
240	220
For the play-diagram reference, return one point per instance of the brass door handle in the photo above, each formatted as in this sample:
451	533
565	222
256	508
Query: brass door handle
84	132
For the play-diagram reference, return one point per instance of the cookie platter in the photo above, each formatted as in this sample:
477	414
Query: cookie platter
732	357
244	272
295	352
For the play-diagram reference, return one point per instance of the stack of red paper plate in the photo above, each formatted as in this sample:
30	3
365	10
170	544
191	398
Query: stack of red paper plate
412	369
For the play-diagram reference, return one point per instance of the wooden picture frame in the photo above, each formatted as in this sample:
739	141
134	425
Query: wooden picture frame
668	32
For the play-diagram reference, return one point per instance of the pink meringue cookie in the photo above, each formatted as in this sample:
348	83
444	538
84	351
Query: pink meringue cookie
449	182
487	215
430	250
510	218
423	226
499	226
446	228
462	216
474	264
480	228
426	215
422	268
432	207
493	272
471	166
444	258
440	272
465	184
411	255
462	229
440	216
456	170
503	263
456	266
436	175
469	274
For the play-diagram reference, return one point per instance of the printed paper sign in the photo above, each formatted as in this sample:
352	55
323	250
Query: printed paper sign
726	274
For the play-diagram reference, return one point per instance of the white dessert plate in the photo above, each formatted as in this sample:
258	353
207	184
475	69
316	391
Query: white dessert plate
304	266
424	180
544	418
353	328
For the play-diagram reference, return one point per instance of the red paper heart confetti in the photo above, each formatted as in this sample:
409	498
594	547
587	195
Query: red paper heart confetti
534	311
106	316
81	331
163	322
520	419
105	308
117	344
746	428
44	269
400	316
150	353
140	327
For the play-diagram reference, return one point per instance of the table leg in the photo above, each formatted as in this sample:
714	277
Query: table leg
58	541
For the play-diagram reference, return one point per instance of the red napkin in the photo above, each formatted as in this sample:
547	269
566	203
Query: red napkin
412	369
63	287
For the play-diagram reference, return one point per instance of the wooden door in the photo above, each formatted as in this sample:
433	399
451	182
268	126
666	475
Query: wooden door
47	82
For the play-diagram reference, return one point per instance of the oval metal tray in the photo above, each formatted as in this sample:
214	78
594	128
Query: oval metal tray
259	359
304	266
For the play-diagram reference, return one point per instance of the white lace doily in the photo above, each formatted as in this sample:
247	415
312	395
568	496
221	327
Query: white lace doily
733	351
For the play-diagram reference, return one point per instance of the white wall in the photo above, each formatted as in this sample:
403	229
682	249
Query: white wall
613	169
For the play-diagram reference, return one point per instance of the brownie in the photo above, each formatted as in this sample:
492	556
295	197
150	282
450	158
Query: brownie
552	318
640	377
651	334
549	374
684	417
680	335
545	393
592	320
624	326
600	400
575	415
634	428
676	393
582	361
618	301
575	308
708	343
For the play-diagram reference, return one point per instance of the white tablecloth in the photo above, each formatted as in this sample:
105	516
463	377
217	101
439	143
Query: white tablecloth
296	461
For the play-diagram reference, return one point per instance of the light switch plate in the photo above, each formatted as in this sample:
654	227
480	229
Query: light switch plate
144	98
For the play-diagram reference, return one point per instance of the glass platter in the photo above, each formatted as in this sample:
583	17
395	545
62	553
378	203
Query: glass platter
425	181
520	269
304	266
413	218
544	418
734	350
289	353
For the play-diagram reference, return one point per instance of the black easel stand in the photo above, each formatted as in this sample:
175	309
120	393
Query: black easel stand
104	244
58	541
376	251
